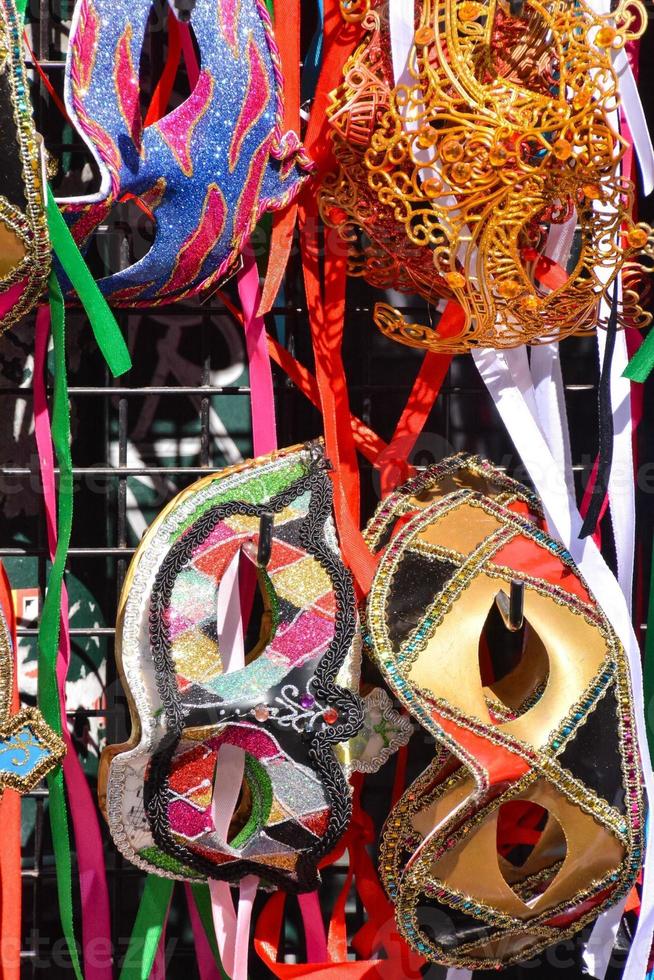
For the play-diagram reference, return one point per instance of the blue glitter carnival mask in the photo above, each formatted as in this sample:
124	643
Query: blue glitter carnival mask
208	169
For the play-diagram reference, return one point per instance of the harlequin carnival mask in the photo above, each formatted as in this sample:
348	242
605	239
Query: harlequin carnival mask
24	243
529	820
208	169
465	178
288	708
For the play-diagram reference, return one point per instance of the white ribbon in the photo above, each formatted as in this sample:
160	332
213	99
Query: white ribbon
551	408
401	24
231	928
635	116
504	376
622	491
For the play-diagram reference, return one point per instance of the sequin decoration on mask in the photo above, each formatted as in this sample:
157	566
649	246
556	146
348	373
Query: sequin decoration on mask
206	171
491	176
29	749
528	823
285	709
24	242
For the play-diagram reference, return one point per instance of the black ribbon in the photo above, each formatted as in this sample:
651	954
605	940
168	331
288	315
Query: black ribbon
605	450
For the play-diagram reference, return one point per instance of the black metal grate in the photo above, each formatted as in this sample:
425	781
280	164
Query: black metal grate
140	440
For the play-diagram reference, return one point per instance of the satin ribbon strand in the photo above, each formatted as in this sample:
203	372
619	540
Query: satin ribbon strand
369	444
392	462
148	928
326	316
287	36
314	928
507	388
199	903
264	433
96	926
103	324
10	820
49	690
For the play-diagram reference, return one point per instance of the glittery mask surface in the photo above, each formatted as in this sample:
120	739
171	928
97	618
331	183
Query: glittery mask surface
208	169
528	822
285	709
24	243
489	175
29	749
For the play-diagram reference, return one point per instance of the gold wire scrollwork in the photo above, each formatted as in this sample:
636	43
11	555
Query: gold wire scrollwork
492	177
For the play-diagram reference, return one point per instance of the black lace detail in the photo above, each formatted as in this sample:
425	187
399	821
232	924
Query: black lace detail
320	752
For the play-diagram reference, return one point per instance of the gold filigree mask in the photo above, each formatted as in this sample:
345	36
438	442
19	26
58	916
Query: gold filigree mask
493	177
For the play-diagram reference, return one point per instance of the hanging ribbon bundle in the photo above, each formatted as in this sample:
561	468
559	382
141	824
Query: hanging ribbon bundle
28	212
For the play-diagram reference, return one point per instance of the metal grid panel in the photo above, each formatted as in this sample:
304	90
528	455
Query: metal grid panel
161	427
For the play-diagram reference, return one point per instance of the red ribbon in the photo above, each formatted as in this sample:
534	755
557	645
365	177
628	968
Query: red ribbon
287	36
379	931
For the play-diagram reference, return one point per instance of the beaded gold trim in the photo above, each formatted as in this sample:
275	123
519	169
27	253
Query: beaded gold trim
32	747
31	226
406	859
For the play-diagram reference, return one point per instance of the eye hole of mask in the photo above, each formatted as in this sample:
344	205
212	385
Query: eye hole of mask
514	667
242	812
129	235
258	623
553	234
163	70
519	51
531	847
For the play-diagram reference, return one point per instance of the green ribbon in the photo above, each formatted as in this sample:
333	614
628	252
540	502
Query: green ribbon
103	323
202	900
641	364
48	639
148	927
149	924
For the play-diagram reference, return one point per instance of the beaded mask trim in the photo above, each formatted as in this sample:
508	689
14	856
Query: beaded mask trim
546	742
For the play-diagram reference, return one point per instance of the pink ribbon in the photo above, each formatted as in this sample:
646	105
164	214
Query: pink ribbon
158	970
262	399
314	928
96	929
232	928
264	437
207	967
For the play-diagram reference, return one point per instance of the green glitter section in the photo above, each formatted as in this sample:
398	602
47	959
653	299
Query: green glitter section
255	490
167	863
262	794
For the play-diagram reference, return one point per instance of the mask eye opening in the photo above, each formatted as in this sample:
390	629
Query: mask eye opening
531	848
258	604
166	79
513	665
